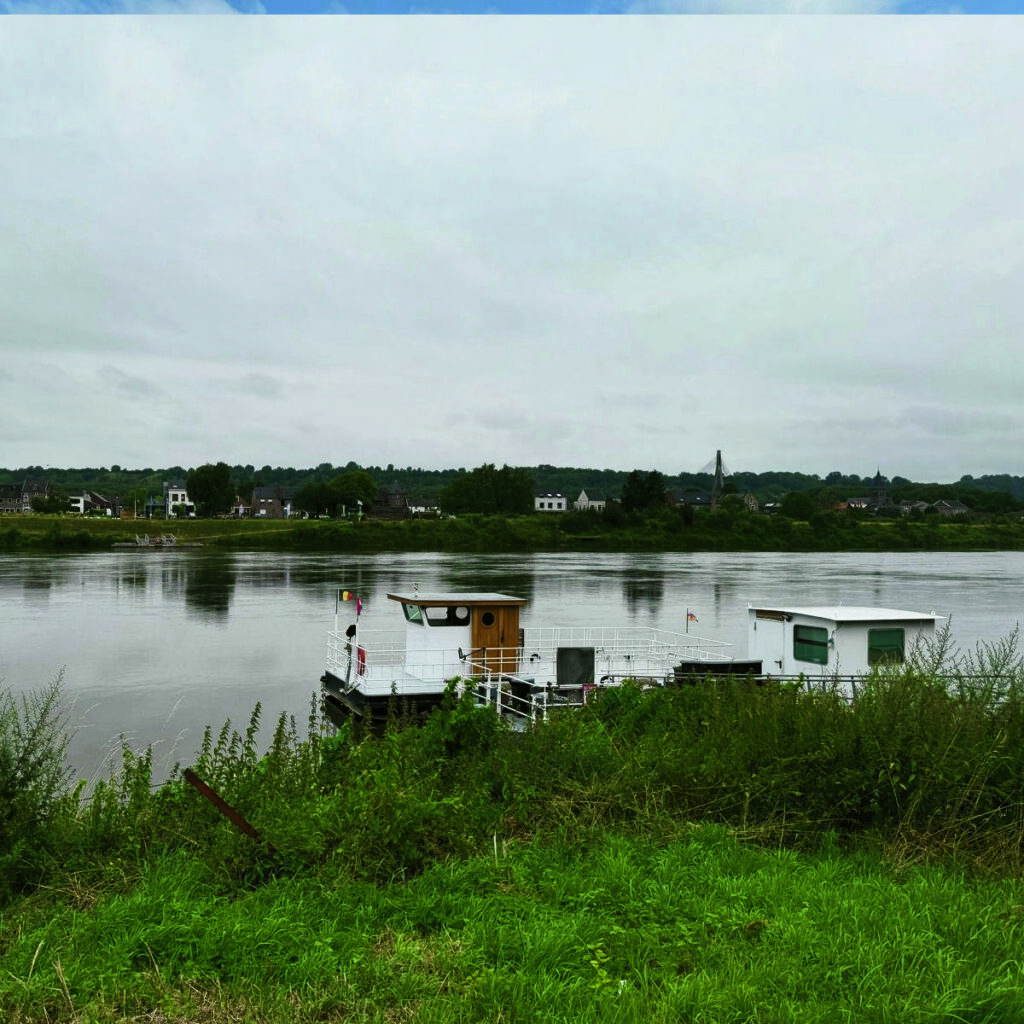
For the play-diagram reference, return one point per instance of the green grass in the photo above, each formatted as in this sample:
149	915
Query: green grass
719	853
692	927
667	531
99	533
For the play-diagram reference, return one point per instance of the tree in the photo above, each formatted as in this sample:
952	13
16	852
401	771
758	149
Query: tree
243	482
471	492
54	502
514	490
353	486
732	505
135	499
316	498
797	505
211	489
643	491
508	491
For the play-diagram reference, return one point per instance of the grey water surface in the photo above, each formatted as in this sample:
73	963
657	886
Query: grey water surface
155	645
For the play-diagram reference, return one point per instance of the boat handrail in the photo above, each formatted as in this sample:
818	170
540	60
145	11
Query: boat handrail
550	638
538	663
594	636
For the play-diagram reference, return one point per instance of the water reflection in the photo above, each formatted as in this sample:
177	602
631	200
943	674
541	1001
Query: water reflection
37	587
514	576
135	577
643	595
173	578
209	585
365	582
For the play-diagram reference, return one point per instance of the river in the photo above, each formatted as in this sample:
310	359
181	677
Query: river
155	645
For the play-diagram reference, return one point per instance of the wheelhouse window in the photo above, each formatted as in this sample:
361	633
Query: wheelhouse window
885	646
450	615
810	643
413	613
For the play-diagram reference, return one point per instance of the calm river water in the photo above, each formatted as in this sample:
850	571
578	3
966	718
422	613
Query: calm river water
156	645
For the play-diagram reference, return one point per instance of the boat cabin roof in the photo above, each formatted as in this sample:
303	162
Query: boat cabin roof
847	613
437	599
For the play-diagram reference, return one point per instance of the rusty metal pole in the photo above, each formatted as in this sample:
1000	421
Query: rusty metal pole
224	807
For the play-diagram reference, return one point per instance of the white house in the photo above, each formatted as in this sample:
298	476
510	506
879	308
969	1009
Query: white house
90	501
176	501
549	503
585	501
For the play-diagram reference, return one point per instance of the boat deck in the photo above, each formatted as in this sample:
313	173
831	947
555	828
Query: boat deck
378	663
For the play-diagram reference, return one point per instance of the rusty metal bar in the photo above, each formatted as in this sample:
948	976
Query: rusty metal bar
225	808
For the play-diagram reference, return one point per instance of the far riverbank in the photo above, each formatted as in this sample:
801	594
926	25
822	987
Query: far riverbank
534	533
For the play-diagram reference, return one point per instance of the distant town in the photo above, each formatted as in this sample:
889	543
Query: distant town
353	491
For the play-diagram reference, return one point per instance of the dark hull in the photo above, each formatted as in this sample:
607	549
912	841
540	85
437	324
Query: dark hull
341	705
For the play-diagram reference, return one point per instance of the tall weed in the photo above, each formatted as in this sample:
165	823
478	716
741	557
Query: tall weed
33	778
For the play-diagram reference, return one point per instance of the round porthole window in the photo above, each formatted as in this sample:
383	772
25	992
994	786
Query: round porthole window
487	618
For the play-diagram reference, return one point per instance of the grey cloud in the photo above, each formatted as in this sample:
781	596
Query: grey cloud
952	422
259	385
127	384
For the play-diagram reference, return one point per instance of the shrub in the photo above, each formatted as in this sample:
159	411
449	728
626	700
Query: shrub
33	778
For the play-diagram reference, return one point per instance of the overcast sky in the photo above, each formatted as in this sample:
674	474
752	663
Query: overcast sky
607	242
342	7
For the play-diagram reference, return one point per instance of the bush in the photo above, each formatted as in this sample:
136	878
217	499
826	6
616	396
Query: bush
33	779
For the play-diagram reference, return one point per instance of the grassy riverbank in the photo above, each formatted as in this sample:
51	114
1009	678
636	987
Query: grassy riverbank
715	854
496	534
688	928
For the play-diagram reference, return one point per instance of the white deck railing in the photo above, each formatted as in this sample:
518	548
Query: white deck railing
379	661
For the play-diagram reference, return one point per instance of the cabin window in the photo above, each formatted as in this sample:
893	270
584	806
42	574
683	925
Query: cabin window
885	645
810	643
450	615
413	613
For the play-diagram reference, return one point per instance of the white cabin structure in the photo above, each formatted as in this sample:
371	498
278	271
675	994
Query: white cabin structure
836	641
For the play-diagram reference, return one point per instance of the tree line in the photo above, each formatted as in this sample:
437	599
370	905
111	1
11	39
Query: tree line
325	489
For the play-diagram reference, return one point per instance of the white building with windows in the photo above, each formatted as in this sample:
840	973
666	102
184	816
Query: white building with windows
549	503
90	501
595	501
176	501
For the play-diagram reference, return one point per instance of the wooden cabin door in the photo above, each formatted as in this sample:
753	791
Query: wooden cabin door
496	636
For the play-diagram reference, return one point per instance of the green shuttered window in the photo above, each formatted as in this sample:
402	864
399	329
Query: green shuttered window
885	645
810	643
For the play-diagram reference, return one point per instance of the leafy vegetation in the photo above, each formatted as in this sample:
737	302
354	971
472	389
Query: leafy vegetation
488	490
211	488
51	504
719	852
33	776
346	491
643	491
729	528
